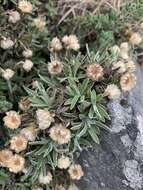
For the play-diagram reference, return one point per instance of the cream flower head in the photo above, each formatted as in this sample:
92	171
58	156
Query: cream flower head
5	156
120	66
94	72
27	53
64	162
14	17
112	91
72	187
135	38
27	65
12	120
6	43
25	6
44	118
75	172
45	179
127	81
7	74
55	44
16	163
55	67
37	188
29	132
71	42
130	66
40	23
60	134
18	143
59	187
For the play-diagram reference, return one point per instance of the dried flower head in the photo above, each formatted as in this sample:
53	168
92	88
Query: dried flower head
45	179
44	118
5	156
24	104
112	91
120	66
64	162
72	187
12	120
55	67
7	74
27	65
16	163
135	38
94	72
130	66
29	132
71	42
55	44
18	143
14	17
25	6
27	53
6	43
75	172
59	187
127	81
40	23
60	134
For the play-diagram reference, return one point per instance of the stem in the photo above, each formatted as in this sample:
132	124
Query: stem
10	88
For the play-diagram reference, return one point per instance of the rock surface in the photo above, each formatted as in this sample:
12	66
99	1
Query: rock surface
117	164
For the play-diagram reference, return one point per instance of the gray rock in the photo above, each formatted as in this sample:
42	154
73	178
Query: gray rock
132	173
117	164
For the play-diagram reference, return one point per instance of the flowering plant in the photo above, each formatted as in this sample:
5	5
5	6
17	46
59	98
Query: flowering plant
54	95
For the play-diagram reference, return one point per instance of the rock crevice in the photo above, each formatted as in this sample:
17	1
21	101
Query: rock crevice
117	164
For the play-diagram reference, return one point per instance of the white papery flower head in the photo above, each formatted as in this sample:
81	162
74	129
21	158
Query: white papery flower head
64	162
6	43
7	74
130	66
72	187
45	179
25	6
135	38
14	17
12	120
127	81
27	65
55	44
71	42
40	23
112	91
44	118
27	53
60	134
